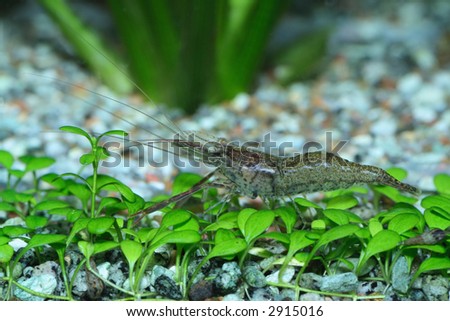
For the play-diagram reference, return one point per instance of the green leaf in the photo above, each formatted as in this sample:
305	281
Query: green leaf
4	240
442	183
191	224
87	159
289	217
114	132
35	222
436	217
54	180
336	233
7	207
432	248
436	201
17	173
136	205
100	225
374	226
108	183
44	239
318	225
306	203
6	159
432	264
340	217
243	217
398	173
132	251
8	195
227	248
177	237
298	241
80	190
6	253
33	163
86	248
77	131
13	231
147	234
107	202
79	225
24	197
184	182
383	241
175	217
342	202
223	235
278	236
104	246
70	213
403	222
50	204
257	223
227	225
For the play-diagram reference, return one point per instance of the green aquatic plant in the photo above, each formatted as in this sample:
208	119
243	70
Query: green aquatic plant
324	237
186	53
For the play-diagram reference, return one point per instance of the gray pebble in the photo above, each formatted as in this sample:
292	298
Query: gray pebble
254	277
311	297
265	294
400	275
43	283
340	283
436	287
287	276
232	297
227	279
310	281
159	270
167	288
286	295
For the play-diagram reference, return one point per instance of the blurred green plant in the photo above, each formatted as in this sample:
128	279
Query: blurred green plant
185	53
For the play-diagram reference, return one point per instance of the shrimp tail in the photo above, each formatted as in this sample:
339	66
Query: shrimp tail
384	178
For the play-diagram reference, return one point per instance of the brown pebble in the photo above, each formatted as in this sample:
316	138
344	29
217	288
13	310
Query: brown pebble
201	291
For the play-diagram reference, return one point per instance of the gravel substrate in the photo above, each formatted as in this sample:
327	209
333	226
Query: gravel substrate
385	90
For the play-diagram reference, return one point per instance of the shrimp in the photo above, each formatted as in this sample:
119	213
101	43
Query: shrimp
253	173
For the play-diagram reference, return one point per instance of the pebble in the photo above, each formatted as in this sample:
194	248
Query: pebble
310	281
367	288
340	283
266	294
287	276
436	287
143	285
43	283
158	271
286	295
42	279
311	297
167	288
254	277
115	273
401	275
201	290
227	279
